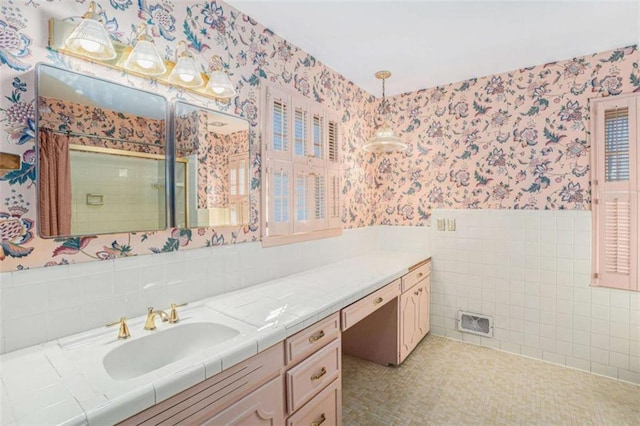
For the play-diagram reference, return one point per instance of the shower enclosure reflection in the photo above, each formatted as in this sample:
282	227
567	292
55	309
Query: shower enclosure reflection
102	156
212	168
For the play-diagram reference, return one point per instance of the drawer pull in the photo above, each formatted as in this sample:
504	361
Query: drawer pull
316	337
319	375
421	288
419	275
416	292
320	421
378	300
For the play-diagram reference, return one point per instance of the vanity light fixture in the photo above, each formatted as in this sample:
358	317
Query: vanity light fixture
185	73
384	138
219	84
90	38
144	58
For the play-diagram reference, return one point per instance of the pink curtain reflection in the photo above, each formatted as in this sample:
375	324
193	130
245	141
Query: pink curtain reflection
55	184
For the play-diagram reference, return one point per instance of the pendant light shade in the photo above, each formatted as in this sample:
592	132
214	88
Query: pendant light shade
219	84
144	58
90	38
185	73
384	138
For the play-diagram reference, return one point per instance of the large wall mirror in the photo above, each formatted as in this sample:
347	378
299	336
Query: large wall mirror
212	168
103	159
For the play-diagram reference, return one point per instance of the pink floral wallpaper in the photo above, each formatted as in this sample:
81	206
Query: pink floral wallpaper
252	55
517	140
514	140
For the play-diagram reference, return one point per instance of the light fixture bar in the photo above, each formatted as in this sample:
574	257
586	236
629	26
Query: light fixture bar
60	30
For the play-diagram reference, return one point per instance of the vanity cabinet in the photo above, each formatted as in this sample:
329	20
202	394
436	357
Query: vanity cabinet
413	316
390	330
236	394
313	374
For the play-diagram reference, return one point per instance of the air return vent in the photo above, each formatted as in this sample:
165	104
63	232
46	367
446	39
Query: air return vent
469	322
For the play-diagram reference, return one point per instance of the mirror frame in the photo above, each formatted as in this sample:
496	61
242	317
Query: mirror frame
168	166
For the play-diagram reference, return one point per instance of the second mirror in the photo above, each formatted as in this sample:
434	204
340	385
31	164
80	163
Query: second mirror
212	168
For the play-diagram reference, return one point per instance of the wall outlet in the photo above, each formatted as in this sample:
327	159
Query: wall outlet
440	224
451	224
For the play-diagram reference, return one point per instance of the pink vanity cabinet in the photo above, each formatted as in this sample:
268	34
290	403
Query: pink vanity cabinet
313	375
387	325
248	393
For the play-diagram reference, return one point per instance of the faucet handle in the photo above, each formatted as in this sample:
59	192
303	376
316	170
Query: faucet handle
123	332
173	315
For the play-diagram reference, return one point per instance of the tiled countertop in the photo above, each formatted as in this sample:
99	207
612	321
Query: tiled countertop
64	382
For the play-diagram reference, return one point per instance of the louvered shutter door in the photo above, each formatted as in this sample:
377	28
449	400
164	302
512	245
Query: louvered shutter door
278	131
334	189
333	145
280	199
303	197
317	147
318	198
616	194
301	130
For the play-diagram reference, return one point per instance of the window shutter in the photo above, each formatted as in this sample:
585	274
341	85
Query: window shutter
333	198
278	129
615	164
332	142
319	198
279	214
301	129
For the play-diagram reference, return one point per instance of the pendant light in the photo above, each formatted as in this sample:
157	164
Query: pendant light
384	138
90	38
144	58
219	84
185	73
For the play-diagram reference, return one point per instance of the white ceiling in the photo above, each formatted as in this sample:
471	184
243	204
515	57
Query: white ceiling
429	43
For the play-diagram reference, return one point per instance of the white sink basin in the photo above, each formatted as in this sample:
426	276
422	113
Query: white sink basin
162	347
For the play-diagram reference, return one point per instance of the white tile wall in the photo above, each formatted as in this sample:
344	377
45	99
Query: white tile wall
47	303
531	271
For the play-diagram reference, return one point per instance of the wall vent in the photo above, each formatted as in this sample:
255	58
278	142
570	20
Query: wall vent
469	322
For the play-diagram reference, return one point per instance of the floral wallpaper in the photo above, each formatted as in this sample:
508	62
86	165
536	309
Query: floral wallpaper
216	193
517	140
57	114
252	55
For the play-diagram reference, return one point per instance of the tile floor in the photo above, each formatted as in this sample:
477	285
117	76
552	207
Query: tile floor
450	382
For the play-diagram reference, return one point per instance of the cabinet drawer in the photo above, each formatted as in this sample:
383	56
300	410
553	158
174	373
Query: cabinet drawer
216	392
311	376
420	272
264	406
309	340
363	307
325	409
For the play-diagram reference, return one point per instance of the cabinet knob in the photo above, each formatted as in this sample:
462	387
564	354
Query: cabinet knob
319	421
378	300
319	375
316	337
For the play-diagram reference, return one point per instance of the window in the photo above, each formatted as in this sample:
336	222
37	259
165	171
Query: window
302	177
615	162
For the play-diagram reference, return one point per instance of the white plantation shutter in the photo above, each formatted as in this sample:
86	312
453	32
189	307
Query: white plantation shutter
615	167
280	204
278	134
302	168
332	141
334	189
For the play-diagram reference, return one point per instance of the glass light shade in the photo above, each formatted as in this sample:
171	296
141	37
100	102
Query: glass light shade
145	59
91	39
384	140
186	73
220	85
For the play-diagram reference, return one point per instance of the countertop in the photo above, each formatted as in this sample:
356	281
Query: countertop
63	381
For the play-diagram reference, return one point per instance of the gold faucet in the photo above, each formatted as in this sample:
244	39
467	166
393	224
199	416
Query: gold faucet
173	315
150	323
123	332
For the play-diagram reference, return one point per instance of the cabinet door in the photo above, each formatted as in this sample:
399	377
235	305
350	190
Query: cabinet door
409	327
265	406
423	309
